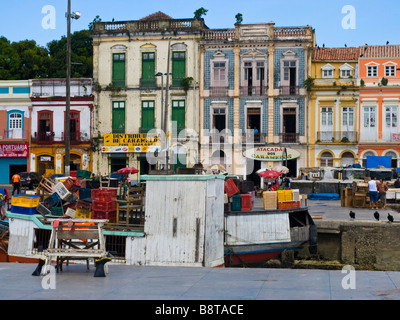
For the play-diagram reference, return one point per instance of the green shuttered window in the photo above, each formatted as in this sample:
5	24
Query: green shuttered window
118	117
118	76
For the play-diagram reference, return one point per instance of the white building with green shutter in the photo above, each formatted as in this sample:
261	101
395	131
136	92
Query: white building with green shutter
133	61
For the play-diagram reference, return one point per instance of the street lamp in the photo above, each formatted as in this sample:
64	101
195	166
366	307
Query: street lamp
69	16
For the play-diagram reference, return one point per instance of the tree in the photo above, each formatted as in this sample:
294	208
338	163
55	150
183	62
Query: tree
200	12
91	25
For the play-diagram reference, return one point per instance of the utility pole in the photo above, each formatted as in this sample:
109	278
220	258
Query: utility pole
166	109
67	132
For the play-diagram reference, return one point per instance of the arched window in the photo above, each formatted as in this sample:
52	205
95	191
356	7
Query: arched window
347	159
393	158
364	160
326	159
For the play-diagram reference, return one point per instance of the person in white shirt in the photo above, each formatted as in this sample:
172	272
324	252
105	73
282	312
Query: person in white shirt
373	193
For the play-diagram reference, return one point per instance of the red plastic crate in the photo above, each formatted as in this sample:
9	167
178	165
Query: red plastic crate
104	205
110	215
104	194
83	205
69	183
289	204
246	202
230	187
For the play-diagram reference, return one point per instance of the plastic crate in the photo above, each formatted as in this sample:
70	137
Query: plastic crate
61	190
104	205
83	214
57	211
84	193
246	202
285	195
23	200
52	201
69	183
230	187
41	209
83	174
289	204
236	202
81	204
104	194
270	200
23	210
110	215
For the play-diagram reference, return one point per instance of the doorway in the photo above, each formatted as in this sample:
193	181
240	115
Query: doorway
16	168
253	176
289	125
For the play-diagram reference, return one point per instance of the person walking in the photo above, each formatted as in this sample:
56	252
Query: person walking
373	193
382	189
16	182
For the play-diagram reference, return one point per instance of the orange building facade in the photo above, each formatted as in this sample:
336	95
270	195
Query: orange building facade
379	102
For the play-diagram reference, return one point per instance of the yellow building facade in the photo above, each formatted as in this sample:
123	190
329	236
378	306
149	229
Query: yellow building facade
333	107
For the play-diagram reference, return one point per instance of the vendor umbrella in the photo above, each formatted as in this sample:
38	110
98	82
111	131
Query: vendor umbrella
262	170
281	169
272	174
128	170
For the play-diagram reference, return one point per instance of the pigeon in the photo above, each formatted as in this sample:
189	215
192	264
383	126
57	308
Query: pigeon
390	217
352	214
387	42
376	215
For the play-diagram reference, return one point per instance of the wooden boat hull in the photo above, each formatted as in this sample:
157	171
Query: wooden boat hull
254	237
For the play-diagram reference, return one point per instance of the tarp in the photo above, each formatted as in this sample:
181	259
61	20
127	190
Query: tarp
378	161
323	196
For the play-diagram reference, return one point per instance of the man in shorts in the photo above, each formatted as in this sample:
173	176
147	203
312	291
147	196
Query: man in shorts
373	193
382	189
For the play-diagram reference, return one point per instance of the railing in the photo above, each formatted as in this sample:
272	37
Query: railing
218	91
150	25
177	82
289	90
290	137
336	136
290	32
50	137
219	34
253	91
14	134
57	87
255	137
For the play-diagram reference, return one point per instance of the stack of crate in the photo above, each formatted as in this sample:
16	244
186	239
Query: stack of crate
270	200
24	204
104	205
83	210
286	200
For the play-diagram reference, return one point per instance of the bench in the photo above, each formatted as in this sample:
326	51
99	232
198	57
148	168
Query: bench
75	239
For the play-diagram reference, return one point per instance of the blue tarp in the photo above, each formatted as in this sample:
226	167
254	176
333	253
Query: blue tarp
323	196
377	161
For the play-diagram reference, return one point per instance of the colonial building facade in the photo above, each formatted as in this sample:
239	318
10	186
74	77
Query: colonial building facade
252	96
146	75
333	107
15	126
379	79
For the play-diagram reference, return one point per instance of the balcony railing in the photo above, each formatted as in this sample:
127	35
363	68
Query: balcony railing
251	137
218	91
52	137
177	82
336	136
14	134
289	90
290	137
254	91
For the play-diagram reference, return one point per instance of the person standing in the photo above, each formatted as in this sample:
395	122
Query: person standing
373	193
16	182
382	189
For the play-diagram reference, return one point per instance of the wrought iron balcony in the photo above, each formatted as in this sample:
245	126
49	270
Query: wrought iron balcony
289	137
255	91
14	134
336	136
148	83
289	90
218	91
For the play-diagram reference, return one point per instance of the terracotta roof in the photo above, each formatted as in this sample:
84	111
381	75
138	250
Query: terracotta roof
387	51
156	16
350	53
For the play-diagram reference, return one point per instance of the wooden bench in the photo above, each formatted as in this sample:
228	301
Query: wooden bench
75	239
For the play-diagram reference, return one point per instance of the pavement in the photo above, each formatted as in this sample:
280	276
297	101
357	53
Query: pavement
122	282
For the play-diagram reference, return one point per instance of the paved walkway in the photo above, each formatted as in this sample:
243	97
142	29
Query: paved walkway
193	283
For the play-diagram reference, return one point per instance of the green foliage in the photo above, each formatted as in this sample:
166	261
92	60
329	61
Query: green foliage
239	18
91	25
199	13
185	83
384	81
309	83
27	60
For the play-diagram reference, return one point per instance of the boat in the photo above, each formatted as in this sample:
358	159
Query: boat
256	236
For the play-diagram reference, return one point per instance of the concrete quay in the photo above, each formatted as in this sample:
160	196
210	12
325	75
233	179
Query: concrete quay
161	283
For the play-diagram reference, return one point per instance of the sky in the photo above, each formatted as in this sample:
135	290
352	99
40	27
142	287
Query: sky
336	22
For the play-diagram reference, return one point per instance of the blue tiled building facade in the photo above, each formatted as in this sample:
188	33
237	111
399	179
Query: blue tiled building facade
253	82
